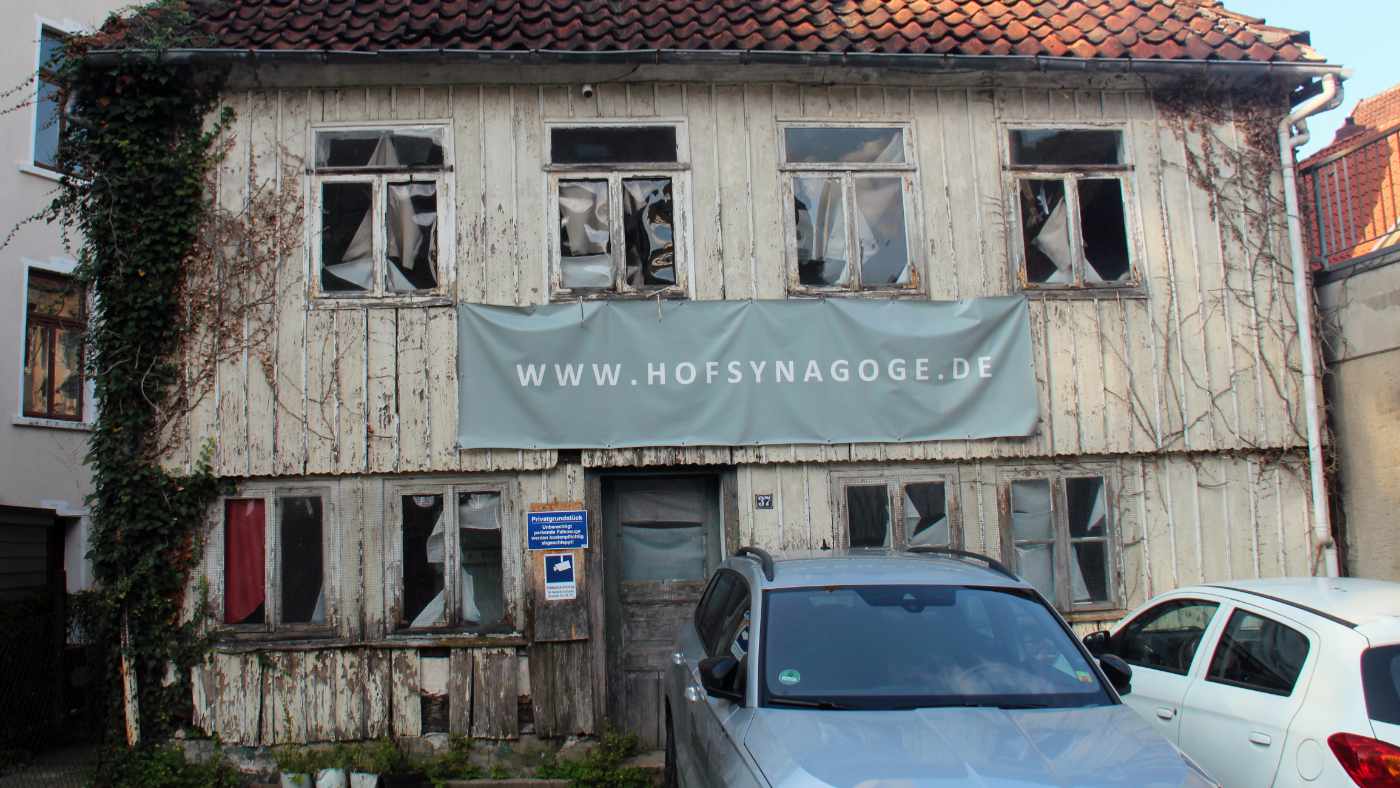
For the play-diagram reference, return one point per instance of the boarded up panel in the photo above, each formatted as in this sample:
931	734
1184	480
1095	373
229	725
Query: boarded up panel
645	714
378	693
459	692
560	690
405	706
495	709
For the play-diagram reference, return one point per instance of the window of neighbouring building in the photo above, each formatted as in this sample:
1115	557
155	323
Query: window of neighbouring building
849	193
445	560
897	508
382	209
1057	533
619	194
55	324
275	555
1071	192
50	106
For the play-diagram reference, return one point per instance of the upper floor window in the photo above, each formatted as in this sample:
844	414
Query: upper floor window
53	347
1057	534
50	108
445	561
276	555
897	509
848	188
1071	188
619	193
382	208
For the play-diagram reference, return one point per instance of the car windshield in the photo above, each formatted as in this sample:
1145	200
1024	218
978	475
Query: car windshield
889	647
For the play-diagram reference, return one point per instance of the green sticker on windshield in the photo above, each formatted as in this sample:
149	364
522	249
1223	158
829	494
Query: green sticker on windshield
789	677
1084	676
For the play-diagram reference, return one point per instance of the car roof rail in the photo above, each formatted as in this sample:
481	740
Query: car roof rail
764	558
992	563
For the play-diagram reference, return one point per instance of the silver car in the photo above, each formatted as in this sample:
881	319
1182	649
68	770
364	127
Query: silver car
879	668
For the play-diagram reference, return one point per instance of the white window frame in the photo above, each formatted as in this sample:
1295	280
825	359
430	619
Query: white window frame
894	480
394	492
682	236
379	178
66	27
1070	175
1056	474
272	626
62	267
848	173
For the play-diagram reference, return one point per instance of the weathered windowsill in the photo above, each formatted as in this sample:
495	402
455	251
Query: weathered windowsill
329	643
51	175
1086	294
1094	616
52	424
380	302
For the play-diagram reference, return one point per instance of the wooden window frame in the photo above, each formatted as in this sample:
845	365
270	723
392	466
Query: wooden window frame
1063	543
1070	175
44	76
379	178
52	325
272	627
848	173
894	481
511	538
682	236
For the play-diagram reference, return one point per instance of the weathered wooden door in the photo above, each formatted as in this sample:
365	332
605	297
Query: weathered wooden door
663	541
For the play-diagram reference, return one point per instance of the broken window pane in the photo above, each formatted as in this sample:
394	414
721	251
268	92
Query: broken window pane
483	603
424	557
868	515
379	148
1090	571
68	373
845	145
1035	563
1104	229
821	231
884	250
37	353
245	567
663	551
1060	147
1087	507
647	229
612	144
347	236
412	237
1030	510
1045	231
585	251
926	514
299	537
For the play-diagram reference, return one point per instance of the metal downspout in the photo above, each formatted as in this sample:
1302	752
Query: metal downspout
1322	521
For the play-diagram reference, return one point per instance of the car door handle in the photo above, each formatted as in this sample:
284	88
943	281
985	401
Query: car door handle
1255	737
1165	713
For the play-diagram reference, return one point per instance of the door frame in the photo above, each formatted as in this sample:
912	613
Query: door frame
727	478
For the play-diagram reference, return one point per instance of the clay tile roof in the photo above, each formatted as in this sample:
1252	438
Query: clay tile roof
1373	118
1143	29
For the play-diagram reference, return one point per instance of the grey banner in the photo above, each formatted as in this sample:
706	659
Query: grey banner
609	374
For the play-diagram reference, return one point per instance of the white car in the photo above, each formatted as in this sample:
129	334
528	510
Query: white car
1286	682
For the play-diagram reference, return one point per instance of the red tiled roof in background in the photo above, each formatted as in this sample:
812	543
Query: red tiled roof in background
1370	120
1143	29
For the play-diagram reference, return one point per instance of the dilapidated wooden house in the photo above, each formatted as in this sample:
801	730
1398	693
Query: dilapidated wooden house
1034	254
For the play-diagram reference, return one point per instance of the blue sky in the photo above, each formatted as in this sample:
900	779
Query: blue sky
1361	34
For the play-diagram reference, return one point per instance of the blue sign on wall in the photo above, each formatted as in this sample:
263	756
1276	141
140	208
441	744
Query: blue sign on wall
557	530
559	578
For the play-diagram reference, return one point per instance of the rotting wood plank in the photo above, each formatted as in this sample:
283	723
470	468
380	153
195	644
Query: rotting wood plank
413	356
459	691
562	702
231	370
737	260
351	417
495	709
707	216
405	706
1089	367
794	513
322	398
442	388
378	693
381	390
498	189
262	180
765	189
528	217
292	294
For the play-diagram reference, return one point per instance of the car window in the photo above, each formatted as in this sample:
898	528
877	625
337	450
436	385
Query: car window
920	646
1167	636
1258	653
1380	677
714	618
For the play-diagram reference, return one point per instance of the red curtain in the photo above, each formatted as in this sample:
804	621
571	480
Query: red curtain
245	535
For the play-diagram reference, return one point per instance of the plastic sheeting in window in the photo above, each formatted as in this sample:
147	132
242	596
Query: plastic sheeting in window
379	148
412	237
585	249
347	236
926	514
422	568
663	551
648	231
1045	227
482	586
822	256
670	501
884	248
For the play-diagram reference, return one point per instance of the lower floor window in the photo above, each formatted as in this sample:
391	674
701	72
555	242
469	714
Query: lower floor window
898	512
449	557
1057	535
275	575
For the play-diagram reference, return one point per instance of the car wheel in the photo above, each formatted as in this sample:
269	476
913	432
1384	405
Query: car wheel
670	778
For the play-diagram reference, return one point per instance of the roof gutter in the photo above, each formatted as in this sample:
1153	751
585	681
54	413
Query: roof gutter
1026	63
1288	139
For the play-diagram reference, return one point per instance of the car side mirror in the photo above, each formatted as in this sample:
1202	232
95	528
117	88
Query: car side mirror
720	678
1119	674
1097	643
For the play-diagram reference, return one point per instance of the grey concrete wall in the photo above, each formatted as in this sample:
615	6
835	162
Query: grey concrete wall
1361	314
